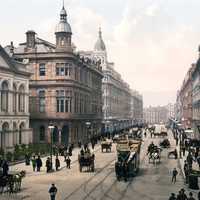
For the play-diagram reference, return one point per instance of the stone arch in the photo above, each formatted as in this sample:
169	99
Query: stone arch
65	135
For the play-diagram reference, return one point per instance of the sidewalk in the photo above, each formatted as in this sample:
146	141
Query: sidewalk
29	169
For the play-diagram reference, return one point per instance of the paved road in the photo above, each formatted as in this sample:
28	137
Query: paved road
152	183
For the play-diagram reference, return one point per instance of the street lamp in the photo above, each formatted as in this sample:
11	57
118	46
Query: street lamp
88	124
51	127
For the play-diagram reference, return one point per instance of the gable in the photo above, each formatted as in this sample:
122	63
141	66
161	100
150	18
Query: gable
3	63
5	60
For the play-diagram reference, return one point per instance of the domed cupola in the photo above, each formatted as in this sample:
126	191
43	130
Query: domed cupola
100	45
63	32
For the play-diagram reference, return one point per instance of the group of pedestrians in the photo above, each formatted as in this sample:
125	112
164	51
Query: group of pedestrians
36	163
182	196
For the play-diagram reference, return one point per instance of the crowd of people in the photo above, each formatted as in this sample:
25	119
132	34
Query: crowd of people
183	196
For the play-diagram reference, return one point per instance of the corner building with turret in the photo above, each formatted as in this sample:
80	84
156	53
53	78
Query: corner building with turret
65	89
116	93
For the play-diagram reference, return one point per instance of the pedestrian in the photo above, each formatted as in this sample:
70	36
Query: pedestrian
199	196
38	163
48	165
174	174
27	159
33	160
57	161
68	162
189	160
5	167
182	195
172	197
145	134
191	196
53	191
176	140
183	148
93	144
70	150
79	144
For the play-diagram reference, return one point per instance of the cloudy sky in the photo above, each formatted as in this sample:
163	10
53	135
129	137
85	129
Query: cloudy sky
152	42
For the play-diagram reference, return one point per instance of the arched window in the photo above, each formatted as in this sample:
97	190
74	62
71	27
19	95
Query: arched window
21	101
4	97
14	98
42	133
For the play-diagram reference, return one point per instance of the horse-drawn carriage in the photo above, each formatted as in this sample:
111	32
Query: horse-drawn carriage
106	144
86	159
154	153
128	158
12	182
165	143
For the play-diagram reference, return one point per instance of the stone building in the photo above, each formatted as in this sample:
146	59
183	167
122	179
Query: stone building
196	98
185	94
65	89
116	92
155	115
136	107
14	105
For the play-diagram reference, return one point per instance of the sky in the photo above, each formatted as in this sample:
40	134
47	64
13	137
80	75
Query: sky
152	42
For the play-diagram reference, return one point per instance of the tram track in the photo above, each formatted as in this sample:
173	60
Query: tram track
82	186
122	193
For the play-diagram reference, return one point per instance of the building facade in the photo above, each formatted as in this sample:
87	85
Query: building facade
196	99
155	115
14	102
170	110
185	95
65	89
117	95
136	107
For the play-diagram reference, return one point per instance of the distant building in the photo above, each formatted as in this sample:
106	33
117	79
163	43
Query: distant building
14	102
65	89
155	115
117	95
170	110
136	107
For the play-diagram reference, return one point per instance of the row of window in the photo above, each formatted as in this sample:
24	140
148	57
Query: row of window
16	96
62	69
82	103
65	69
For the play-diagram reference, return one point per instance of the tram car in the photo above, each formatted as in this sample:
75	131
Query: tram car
128	158
106	144
86	160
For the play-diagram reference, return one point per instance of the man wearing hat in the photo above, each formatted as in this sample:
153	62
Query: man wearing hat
172	197
53	191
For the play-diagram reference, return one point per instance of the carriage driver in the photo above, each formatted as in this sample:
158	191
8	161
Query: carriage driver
150	148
